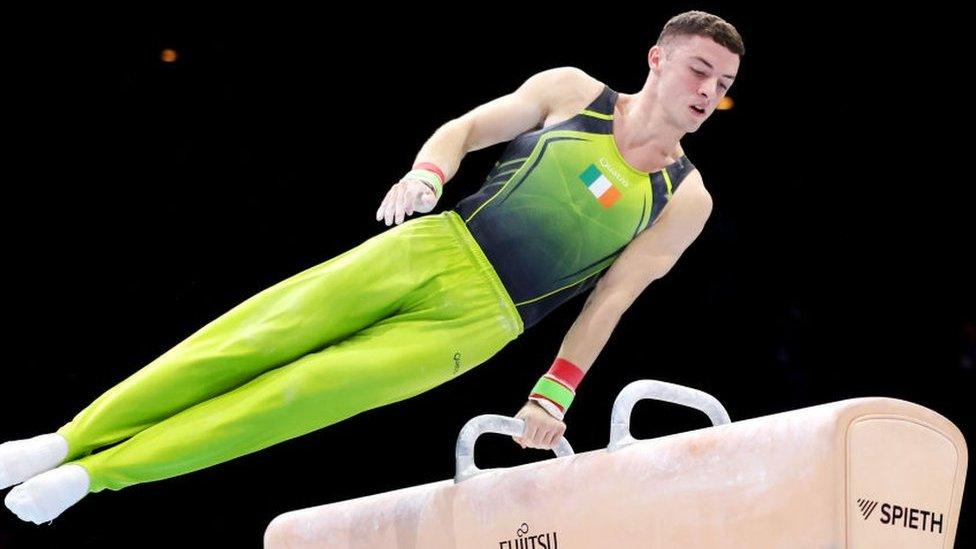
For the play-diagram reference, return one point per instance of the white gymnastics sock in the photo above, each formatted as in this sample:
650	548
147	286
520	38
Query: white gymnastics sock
22	459
42	498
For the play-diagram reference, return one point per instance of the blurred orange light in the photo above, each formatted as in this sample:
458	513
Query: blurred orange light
168	55
725	103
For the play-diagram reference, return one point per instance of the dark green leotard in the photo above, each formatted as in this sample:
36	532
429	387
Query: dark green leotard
561	204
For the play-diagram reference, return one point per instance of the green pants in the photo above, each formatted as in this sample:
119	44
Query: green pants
401	313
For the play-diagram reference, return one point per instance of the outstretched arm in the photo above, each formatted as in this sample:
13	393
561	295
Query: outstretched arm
647	258
501	119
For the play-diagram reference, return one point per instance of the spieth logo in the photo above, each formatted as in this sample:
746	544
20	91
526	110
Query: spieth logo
524	541
906	517
867	507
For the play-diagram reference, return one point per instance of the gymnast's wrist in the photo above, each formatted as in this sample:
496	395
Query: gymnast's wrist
430	174
555	390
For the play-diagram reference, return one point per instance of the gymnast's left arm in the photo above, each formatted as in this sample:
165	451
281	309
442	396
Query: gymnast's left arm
645	259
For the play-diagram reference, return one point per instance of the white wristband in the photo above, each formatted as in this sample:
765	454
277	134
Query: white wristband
548	406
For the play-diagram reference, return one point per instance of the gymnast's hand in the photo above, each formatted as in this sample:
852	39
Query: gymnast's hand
541	429
405	197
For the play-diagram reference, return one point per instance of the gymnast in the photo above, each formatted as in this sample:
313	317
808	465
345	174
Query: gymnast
593	192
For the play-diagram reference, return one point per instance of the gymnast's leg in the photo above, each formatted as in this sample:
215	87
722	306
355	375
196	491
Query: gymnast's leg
302	313
394	359
450	323
450	315
305	312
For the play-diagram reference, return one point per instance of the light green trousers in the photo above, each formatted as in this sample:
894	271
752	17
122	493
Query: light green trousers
401	313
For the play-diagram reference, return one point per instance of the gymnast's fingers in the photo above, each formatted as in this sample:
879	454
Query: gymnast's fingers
391	204
382	208
401	202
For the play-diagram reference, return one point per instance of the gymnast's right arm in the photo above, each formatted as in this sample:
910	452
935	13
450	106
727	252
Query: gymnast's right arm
501	119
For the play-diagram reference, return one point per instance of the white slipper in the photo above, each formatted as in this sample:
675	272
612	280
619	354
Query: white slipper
42	498
22	459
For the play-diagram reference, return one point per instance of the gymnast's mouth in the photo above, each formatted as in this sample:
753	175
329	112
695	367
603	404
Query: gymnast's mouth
698	111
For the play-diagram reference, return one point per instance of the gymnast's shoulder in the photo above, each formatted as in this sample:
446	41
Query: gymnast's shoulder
569	88
539	97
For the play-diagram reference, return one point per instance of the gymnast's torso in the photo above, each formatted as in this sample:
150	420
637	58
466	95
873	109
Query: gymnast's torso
562	203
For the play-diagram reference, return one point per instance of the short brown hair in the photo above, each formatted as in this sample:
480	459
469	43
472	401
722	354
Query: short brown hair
700	23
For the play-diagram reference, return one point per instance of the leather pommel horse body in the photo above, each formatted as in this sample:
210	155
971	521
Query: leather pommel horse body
857	473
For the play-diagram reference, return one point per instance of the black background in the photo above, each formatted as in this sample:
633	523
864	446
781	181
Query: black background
145	199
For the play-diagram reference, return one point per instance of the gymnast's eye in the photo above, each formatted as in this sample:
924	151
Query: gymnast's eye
699	73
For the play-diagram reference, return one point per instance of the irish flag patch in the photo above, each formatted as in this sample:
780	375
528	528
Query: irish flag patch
600	186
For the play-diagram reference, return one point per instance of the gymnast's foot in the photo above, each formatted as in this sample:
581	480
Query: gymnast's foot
22	459
44	497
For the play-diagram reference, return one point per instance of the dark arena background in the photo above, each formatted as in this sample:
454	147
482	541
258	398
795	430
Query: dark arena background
163	168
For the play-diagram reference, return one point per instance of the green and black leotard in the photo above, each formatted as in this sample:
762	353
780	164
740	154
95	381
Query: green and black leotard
561	204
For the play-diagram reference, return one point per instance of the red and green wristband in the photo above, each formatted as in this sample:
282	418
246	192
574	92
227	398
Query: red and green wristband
556	388
430	174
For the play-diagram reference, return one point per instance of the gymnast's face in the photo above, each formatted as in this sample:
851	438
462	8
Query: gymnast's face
693	71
